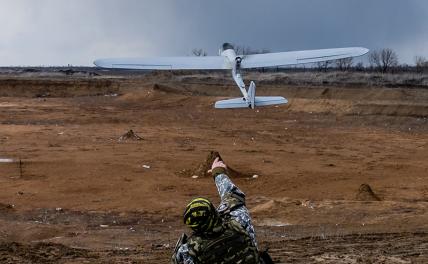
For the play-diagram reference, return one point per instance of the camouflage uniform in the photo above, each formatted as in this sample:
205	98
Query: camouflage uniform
232	204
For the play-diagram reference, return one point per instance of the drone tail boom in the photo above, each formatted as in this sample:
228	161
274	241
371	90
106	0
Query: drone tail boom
252	95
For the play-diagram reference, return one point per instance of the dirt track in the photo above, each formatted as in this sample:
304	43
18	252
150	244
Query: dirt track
83	195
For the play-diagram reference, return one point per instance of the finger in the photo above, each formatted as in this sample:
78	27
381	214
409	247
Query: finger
216	160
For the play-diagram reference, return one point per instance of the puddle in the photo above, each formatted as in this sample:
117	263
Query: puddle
2	160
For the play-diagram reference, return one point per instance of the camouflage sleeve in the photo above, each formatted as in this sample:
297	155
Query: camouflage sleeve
183	256
233	203
226	187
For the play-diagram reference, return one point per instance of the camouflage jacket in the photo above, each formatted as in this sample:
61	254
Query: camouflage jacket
233	205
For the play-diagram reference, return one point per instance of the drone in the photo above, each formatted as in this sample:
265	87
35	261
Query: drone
229	60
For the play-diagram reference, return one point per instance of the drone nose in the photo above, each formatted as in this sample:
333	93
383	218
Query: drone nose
227	46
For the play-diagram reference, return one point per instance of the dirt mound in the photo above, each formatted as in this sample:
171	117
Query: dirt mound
365	193
40	253
202	169
130	136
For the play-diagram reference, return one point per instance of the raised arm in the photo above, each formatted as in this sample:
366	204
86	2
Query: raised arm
232	198
224	185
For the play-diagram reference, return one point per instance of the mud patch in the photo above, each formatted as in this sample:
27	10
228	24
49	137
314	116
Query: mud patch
41	253
367	248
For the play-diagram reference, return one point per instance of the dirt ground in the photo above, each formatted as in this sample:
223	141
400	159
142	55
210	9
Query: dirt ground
75	193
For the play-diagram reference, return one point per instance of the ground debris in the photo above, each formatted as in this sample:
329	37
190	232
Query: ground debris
6	207
130	136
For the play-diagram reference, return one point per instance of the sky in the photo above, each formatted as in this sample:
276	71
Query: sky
76	32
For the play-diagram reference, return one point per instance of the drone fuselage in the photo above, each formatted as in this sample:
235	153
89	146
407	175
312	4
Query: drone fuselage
235	63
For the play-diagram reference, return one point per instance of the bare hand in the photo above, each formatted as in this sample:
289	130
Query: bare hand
217	164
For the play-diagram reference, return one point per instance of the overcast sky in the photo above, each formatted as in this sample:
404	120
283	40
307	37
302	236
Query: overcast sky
61	32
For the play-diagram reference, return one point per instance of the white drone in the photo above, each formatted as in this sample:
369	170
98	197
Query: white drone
228	60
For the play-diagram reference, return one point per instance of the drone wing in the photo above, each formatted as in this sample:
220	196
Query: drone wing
166	63
299	57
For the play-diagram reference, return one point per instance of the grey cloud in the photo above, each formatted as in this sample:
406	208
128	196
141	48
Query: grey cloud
60	32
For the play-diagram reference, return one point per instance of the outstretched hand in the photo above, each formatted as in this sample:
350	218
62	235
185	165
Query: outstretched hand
217	164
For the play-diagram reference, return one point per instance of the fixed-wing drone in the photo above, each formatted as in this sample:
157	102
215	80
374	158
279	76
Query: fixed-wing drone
229	60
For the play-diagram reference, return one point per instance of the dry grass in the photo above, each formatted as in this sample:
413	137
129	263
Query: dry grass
336	78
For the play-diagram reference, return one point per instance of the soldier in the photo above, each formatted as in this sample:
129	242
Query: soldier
225	235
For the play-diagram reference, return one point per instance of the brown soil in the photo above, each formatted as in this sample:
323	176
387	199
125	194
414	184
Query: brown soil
41	253
82	196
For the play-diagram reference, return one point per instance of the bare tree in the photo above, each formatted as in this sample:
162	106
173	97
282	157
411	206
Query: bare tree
199	53
389	59
238	49
245	50
374	59
359	67
323	65
383	59
421	63
344	64
242	50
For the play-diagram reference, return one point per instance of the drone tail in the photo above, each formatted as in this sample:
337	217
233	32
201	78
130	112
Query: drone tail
258	101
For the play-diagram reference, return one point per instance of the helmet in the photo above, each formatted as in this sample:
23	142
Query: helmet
200	215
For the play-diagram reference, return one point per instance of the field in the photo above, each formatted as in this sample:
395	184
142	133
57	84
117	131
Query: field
76	192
